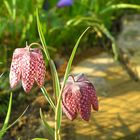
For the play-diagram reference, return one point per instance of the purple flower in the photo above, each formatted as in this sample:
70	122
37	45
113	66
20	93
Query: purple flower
78	96
28	66
63	3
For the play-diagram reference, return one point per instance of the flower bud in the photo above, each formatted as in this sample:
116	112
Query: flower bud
79	96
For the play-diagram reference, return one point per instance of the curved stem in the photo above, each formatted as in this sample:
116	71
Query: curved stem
34	43
72	78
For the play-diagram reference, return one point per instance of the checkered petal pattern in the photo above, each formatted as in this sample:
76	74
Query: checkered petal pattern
28	66
15	70
40	67
79	96
69	105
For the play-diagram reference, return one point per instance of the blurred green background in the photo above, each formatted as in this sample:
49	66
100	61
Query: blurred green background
61	27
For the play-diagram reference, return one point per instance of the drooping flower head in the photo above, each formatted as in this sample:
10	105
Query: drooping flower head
64	3
28	66
79	96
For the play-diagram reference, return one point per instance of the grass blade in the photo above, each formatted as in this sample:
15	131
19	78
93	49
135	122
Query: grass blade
56	87
55	78
42	38
53	70
14	9
48	97
119	6
108	34
72	57
39	139
4	130
8	7
50	130
7	117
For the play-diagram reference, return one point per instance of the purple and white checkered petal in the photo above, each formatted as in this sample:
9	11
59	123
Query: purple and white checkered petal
68	104
93	97
15	70
85	104
76	94
85	110
40	67
28	71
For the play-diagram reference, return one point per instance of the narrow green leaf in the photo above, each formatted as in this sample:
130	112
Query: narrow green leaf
119	6
108	34
40	30
42	38
50	130
55	78
4	130
97	23
7	117
59	116
48	97
56	84
26	27
72	57
56	87
64	81
8	7
39	139
14	9
80	19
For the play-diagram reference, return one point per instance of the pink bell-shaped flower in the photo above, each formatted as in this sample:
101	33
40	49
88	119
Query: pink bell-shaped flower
79	96
28	66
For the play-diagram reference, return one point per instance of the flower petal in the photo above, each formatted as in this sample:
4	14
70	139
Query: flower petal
15	70
85	104
94	99
68	104
28	71
40	67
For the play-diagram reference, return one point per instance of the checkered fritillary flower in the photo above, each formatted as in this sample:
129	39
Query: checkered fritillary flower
79	96
28	66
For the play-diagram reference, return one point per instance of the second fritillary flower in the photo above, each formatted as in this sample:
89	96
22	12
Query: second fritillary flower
79	96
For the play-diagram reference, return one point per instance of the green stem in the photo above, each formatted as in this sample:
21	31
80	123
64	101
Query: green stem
48	98
52	69
57	130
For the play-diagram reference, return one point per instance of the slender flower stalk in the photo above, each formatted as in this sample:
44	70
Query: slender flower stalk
67	71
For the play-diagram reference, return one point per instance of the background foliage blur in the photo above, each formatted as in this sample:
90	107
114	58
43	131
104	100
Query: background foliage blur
61	27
